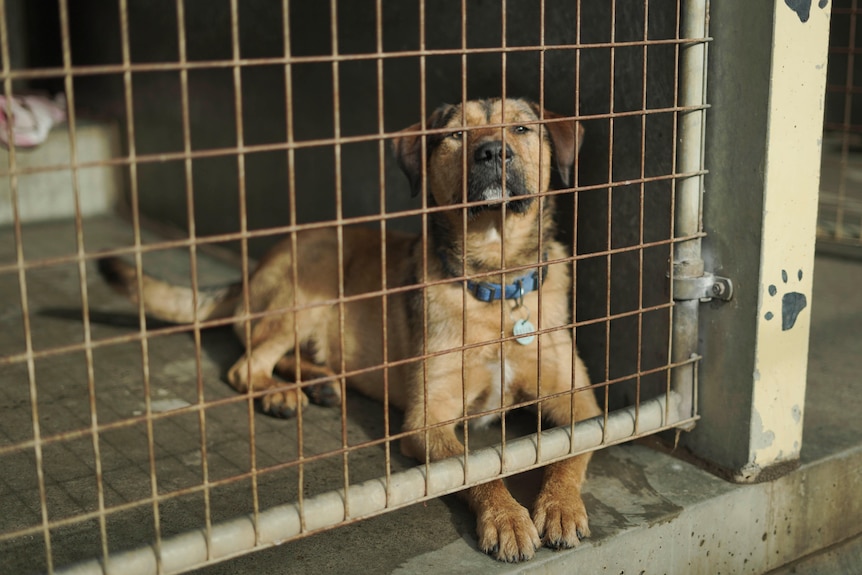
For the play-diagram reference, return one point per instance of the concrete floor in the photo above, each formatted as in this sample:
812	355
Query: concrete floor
650	512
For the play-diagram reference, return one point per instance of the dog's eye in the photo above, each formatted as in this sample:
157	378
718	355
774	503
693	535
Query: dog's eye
459	135
521	129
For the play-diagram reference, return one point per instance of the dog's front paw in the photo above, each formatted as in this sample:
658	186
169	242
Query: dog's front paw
284	403
508	534
561	521
327	394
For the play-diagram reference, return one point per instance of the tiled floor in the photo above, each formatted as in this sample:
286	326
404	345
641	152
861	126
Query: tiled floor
69	402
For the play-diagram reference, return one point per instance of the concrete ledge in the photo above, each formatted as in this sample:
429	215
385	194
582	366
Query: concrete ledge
744	529
48	195
845	557
650	513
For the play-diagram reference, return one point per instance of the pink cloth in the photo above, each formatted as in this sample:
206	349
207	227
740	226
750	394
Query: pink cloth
32	118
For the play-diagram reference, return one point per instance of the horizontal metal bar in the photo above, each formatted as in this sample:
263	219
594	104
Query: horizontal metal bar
283	523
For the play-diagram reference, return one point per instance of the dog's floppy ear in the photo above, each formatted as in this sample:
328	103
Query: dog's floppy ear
408	151
567	136
407	147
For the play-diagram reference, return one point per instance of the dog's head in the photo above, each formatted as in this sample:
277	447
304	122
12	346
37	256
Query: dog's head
490	149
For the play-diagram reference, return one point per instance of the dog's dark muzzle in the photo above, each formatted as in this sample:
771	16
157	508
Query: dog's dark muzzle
486	178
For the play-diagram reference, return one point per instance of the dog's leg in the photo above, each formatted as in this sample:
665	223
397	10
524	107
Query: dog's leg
503	526
254	370
559	512
326	393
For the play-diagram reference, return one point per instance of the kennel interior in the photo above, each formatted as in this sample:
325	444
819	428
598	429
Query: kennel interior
197	134
839	227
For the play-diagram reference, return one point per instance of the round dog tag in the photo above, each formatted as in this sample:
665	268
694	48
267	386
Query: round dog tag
524	328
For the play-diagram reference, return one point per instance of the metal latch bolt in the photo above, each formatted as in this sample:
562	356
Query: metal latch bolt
691	282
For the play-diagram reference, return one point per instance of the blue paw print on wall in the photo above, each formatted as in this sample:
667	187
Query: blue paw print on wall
792	303
803	7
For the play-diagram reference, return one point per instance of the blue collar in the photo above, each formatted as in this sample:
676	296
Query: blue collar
488	292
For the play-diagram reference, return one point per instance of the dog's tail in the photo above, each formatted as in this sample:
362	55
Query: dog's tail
168	302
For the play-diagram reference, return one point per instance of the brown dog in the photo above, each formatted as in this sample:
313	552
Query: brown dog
484	167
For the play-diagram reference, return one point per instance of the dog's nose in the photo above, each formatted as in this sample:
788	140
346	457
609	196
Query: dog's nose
492	152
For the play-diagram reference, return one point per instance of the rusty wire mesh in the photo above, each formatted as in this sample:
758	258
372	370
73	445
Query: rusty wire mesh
114	423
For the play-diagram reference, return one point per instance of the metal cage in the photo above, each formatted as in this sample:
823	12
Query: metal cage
250	121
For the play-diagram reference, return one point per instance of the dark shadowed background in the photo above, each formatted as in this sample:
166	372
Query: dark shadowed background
603	80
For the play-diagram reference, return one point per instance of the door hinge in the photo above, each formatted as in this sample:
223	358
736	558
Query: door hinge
691	282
